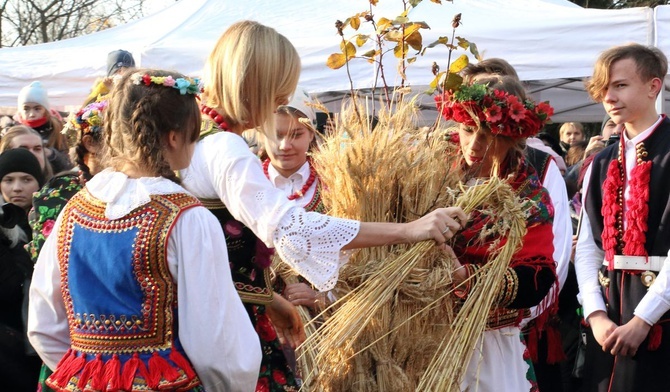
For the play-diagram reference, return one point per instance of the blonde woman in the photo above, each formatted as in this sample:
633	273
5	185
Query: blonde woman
251	71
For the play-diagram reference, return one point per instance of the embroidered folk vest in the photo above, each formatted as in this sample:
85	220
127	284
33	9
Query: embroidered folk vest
658	149
248	256
120	298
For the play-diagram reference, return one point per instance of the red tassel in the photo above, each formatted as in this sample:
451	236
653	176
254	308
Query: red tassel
183	363
112	373
655	336
63	364
531	343
67	369
91	369
66	358
98	380
128	373
555	352
159	369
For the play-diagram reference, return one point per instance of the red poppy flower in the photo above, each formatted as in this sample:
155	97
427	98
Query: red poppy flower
516	110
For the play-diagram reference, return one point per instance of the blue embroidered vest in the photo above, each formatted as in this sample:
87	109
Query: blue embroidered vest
120	298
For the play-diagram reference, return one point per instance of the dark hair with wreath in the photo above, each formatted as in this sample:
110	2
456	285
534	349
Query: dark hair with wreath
143	109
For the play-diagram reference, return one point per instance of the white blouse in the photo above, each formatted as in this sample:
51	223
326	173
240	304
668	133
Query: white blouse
214	328
223	168
293	183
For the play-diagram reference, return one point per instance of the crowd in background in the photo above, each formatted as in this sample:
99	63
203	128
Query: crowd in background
46	159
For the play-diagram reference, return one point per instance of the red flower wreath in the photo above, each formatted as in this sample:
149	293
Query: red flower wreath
503	113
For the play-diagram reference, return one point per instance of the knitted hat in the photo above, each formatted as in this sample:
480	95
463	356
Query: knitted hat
605	120
20	160
35	93
300	101
117	59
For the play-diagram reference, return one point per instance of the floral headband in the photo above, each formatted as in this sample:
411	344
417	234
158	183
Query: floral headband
90	117
501	112
88	120
184	85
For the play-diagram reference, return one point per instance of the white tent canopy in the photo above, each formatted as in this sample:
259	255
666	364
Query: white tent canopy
551	43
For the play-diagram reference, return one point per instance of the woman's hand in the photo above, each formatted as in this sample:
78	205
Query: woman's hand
301	294
439	225
459	274
287	322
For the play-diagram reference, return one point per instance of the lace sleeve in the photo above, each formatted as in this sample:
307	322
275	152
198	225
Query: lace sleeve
311	244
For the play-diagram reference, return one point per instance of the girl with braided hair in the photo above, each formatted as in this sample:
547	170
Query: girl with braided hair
86	124
129	293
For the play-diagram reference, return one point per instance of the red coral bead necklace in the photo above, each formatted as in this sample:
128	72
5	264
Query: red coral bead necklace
216	117
305	188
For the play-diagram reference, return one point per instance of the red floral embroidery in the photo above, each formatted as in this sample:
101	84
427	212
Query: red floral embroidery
47	227
278	377
263	385
266	331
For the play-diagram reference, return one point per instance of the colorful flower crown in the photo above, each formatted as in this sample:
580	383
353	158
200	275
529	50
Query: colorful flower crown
503	113
90	117
88	120
184	85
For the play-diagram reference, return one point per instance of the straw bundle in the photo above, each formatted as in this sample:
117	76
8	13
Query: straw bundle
387	329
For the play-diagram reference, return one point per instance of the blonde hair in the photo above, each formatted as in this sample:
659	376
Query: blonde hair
302	119
650	63
564	128
250	67
21	130
139	118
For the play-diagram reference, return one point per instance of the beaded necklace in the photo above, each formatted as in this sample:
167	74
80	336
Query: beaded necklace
615	239
216	117
305	188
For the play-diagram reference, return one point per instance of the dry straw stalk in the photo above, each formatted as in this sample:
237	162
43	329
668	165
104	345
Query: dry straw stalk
394	327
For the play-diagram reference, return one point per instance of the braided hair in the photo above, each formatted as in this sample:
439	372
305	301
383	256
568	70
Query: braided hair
140	117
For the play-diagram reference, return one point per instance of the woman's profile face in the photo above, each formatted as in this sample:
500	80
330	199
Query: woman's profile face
480	148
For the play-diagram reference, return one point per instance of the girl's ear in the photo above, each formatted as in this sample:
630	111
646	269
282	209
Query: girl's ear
90	144
172	139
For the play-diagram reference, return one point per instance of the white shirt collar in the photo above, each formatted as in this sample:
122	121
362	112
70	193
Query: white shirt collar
644	135
123	194
300	176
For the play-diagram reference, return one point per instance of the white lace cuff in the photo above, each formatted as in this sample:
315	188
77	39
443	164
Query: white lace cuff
311	244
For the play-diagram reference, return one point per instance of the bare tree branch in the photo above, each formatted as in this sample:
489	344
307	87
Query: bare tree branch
27	22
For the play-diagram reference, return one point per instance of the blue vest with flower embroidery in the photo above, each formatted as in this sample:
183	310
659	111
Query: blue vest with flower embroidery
120	298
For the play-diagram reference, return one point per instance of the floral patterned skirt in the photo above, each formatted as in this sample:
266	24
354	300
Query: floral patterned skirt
275	374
